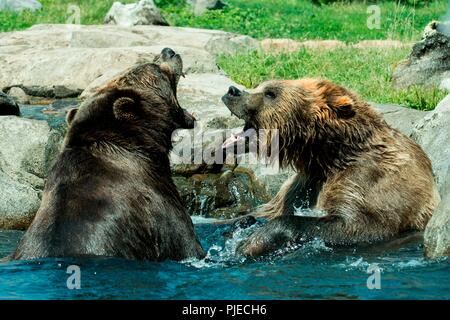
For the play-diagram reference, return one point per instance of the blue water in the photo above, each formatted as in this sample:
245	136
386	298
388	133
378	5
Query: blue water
313	271
54	113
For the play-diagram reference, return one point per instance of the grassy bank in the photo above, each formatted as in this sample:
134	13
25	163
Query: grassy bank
57	11
300	19
366	71
297	19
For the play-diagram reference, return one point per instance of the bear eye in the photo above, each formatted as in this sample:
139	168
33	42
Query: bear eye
270	94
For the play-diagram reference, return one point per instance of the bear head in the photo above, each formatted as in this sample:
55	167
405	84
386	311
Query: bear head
315	119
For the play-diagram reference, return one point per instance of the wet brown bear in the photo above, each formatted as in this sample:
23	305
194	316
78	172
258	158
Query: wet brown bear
110	192
370	182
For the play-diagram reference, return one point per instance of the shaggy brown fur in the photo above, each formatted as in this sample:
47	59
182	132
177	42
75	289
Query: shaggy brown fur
372	182
110	192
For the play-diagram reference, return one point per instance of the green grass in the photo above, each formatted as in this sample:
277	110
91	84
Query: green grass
296	19
57	11
365	71
300	19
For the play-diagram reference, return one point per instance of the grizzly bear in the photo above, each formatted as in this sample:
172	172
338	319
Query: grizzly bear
110	192
365	181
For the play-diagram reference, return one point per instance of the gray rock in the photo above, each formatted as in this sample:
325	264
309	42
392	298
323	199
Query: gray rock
232	44
8	107
400	118
19	95
227	194
110	36
60	61
27	150
19	5
272	177
199	7
67	72
433	134
437	232
143	12
429	62
445	84
18	203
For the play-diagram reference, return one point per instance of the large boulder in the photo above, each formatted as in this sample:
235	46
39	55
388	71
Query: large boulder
433	134
199	7
437	232
429	62
27	151
143	12
66	72
400	118
19	95
19	5
8	107
60	61
19	203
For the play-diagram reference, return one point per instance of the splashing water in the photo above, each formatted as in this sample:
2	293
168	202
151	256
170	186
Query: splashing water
311	271
224	253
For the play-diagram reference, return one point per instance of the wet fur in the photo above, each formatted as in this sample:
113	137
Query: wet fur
110	192
372	182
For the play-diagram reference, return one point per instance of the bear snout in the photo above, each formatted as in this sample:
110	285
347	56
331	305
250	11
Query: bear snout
233	91
167	53
236	101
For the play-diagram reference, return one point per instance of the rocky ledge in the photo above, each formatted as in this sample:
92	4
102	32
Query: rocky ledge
433	134
429	61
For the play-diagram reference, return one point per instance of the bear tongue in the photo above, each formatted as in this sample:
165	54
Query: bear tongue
235	138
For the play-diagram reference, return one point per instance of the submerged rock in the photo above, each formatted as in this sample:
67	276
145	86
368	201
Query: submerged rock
143	12
429	62
8	107
27	152
227	194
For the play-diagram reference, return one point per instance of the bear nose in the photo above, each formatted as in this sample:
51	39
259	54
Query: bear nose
233	91
168	52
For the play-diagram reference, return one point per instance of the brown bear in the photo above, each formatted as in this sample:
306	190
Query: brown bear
110	192
366	181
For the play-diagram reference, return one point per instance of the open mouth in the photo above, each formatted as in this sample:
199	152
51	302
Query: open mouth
235	139
248	135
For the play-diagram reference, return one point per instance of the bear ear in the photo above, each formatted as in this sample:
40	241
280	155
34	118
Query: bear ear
124	108
343	107
71	115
